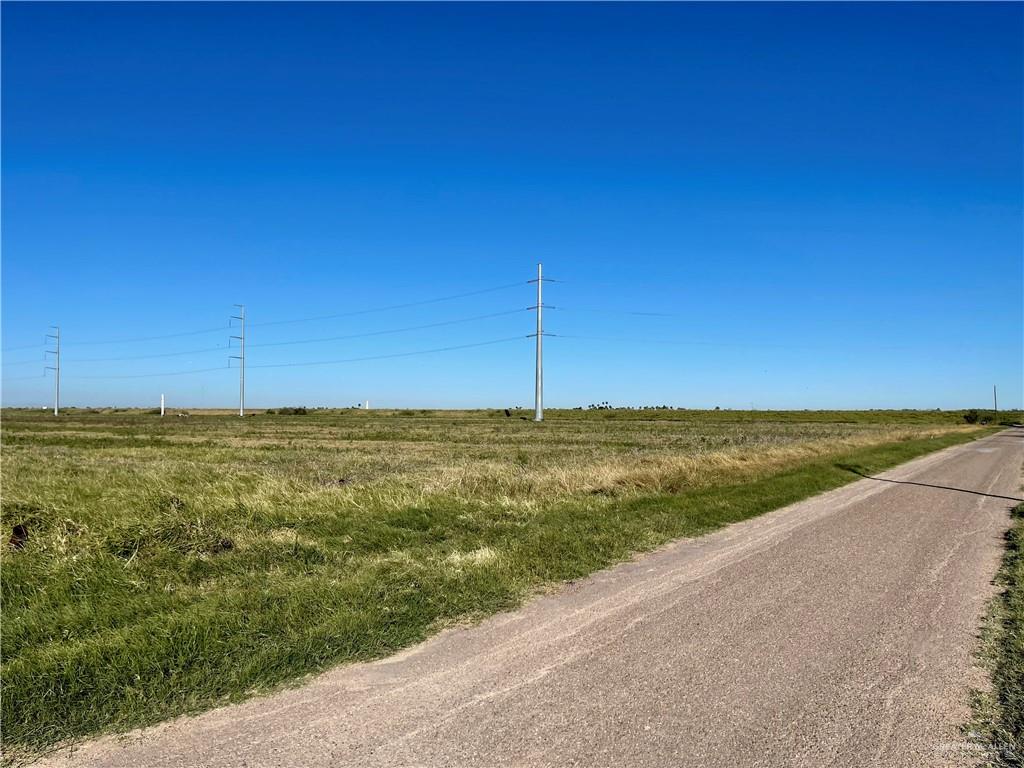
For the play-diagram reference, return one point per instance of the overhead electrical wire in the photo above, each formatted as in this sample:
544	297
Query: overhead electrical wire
688	342
201	331
23	346
389	331
313	362
145	357
616	311
678	342
389	307
154	375
367	334
394	354
140	339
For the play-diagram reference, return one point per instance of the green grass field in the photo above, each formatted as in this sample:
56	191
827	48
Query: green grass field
175	564
998	727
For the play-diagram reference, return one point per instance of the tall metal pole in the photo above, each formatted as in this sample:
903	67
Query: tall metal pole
995	400
56	386
538	395
55	368
241	375
241	358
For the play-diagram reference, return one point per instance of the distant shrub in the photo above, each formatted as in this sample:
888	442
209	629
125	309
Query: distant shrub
299	411
971	416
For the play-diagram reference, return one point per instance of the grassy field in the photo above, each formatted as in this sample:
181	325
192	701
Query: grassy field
174	564
998	728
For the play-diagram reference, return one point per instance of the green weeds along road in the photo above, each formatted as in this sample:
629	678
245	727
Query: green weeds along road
174	564
998	725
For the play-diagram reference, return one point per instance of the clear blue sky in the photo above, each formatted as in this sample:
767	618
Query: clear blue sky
824	202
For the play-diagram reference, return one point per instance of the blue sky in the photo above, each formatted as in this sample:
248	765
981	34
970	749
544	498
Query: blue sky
822	203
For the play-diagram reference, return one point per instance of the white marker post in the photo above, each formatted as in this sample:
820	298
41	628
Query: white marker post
161	404
367	406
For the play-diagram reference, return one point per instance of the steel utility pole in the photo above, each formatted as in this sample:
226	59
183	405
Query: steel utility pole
241	358
538	393
995	400
55	368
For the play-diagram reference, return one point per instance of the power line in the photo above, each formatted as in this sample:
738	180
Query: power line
685	342
311	363
151	376
389	307
140	339
701	343
220	329
284	343
279	343
23	346
395	354
599	311
144	357
389	331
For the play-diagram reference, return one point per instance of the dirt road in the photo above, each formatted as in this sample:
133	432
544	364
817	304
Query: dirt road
837	631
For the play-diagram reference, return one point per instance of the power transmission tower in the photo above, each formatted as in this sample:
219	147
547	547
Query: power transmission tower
538	393
241	358
55	368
